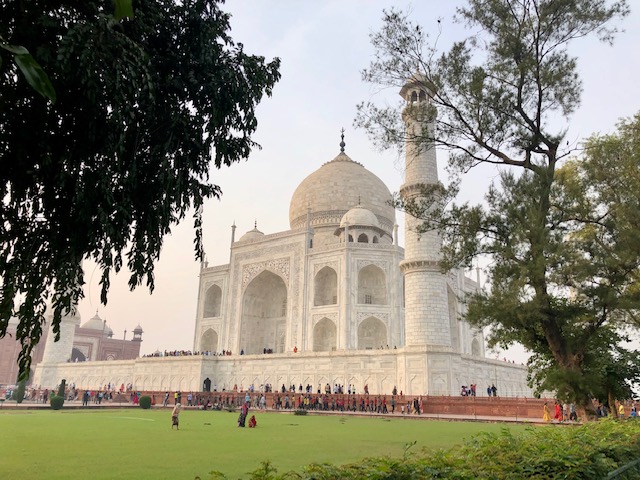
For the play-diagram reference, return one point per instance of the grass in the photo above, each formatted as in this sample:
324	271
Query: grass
139	444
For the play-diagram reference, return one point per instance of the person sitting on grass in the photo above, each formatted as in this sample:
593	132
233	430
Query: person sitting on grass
252	422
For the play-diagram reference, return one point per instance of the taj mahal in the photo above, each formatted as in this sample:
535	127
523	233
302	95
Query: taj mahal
334	300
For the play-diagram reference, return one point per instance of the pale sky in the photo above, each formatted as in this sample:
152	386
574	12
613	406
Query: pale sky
323	46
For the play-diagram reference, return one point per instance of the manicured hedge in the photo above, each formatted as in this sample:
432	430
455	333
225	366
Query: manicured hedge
145	402
56	402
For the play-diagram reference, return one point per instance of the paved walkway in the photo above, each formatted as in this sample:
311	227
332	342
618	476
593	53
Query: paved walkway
77	404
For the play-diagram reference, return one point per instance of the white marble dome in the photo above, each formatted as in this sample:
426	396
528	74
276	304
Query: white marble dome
360	217
252	235
333	189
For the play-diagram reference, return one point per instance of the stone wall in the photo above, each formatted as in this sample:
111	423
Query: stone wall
421	371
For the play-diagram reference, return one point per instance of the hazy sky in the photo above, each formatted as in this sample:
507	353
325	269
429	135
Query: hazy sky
323	46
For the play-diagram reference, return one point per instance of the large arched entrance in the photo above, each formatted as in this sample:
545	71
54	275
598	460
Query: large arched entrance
264	313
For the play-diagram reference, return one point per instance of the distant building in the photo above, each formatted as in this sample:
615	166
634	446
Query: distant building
91	341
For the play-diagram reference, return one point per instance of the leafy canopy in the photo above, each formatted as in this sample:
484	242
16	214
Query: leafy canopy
563	258
143	105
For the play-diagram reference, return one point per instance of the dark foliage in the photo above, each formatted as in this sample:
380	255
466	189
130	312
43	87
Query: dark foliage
143	107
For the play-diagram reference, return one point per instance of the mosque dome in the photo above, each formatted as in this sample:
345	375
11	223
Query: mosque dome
360	217
94	323
252	234
333	189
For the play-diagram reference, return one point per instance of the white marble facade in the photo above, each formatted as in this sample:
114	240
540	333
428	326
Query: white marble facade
335	299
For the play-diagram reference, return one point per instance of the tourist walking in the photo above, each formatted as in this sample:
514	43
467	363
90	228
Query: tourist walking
175	422
545	413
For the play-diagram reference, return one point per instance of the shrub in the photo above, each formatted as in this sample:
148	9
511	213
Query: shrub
300	411
588	452
56	402
18	393
145	402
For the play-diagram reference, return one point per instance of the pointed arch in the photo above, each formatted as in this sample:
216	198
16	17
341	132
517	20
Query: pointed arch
263	323
212	302
372	286
209	341
363	238
372	334
77	355
324	336
325	287
476	351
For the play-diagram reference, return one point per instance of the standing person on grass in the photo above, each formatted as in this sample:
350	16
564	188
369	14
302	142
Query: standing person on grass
174	417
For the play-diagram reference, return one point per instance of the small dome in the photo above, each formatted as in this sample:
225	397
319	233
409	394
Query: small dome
252	234
138	329
94	323
360	217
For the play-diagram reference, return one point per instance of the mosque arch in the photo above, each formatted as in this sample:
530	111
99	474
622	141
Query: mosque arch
372	286
375	239
325	287
475	348
263	322
372	334
212	301
209	341
324	336
363	238
77	355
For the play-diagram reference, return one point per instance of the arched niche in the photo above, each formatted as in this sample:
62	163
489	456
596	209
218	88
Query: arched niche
372	286
325	287
212	301
263	320
209	341
476	351
324	336
363	238
77	355
372	334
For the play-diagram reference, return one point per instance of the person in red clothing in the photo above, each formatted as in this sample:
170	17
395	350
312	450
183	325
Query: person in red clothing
558	412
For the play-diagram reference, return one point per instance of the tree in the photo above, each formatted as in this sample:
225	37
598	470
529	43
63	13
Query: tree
143	106
497	95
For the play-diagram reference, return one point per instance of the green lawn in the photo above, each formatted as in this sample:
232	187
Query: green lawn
139	444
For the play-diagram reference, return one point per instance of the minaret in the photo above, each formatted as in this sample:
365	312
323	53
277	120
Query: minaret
426	299
60	351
